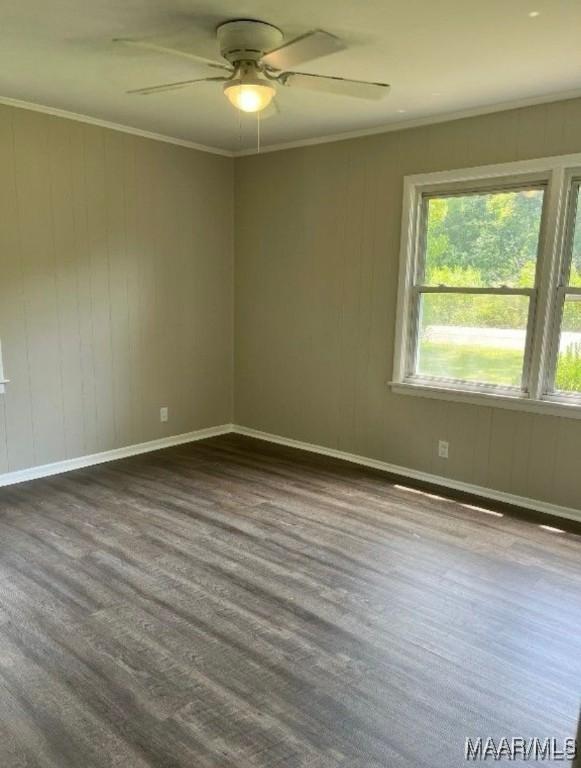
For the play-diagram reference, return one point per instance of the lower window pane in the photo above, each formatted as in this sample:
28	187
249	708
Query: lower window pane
473	338
568	378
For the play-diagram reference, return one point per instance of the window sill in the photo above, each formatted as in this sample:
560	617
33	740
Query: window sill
516	402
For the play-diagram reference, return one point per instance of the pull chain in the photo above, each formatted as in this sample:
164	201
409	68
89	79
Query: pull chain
258	132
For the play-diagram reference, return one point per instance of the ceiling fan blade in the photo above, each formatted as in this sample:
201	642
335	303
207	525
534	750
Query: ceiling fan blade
145	45
175	86
313	45
341	86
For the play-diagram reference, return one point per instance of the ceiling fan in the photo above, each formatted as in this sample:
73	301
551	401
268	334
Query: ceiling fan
258	60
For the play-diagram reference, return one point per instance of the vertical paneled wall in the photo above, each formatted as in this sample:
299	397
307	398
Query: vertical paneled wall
115	289
317	251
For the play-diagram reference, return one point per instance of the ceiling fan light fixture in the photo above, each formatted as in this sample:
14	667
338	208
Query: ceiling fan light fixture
249	97
249	92
259	61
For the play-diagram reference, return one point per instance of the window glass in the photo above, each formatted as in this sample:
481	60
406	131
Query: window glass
568	373
483	239
473	338
574	280
568	368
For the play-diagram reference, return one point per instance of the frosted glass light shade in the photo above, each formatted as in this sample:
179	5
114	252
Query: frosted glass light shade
249	96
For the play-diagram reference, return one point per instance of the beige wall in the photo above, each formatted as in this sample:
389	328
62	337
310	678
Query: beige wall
317	241
116	260
115	288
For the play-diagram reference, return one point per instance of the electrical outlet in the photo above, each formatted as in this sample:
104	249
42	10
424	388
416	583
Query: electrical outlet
443	449
164	413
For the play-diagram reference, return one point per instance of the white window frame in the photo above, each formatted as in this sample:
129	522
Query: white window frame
3	381
557	175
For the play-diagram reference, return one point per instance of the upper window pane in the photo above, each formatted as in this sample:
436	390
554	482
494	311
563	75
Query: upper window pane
483	239
575	271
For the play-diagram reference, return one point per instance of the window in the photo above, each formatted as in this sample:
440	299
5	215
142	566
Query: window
489	300
475	286
567	379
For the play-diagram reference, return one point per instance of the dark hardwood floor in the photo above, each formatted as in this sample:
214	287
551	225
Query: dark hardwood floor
232	603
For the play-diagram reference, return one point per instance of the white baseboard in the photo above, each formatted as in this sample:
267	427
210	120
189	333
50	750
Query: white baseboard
414	474
22	475
58	467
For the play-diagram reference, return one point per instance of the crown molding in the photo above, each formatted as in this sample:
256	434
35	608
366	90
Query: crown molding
79	118
402	125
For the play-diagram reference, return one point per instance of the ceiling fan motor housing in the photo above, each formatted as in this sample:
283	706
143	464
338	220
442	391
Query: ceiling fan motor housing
247	40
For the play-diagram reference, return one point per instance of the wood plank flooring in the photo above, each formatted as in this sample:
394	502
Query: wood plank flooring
230	603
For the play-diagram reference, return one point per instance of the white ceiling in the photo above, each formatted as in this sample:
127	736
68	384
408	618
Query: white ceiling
441	56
